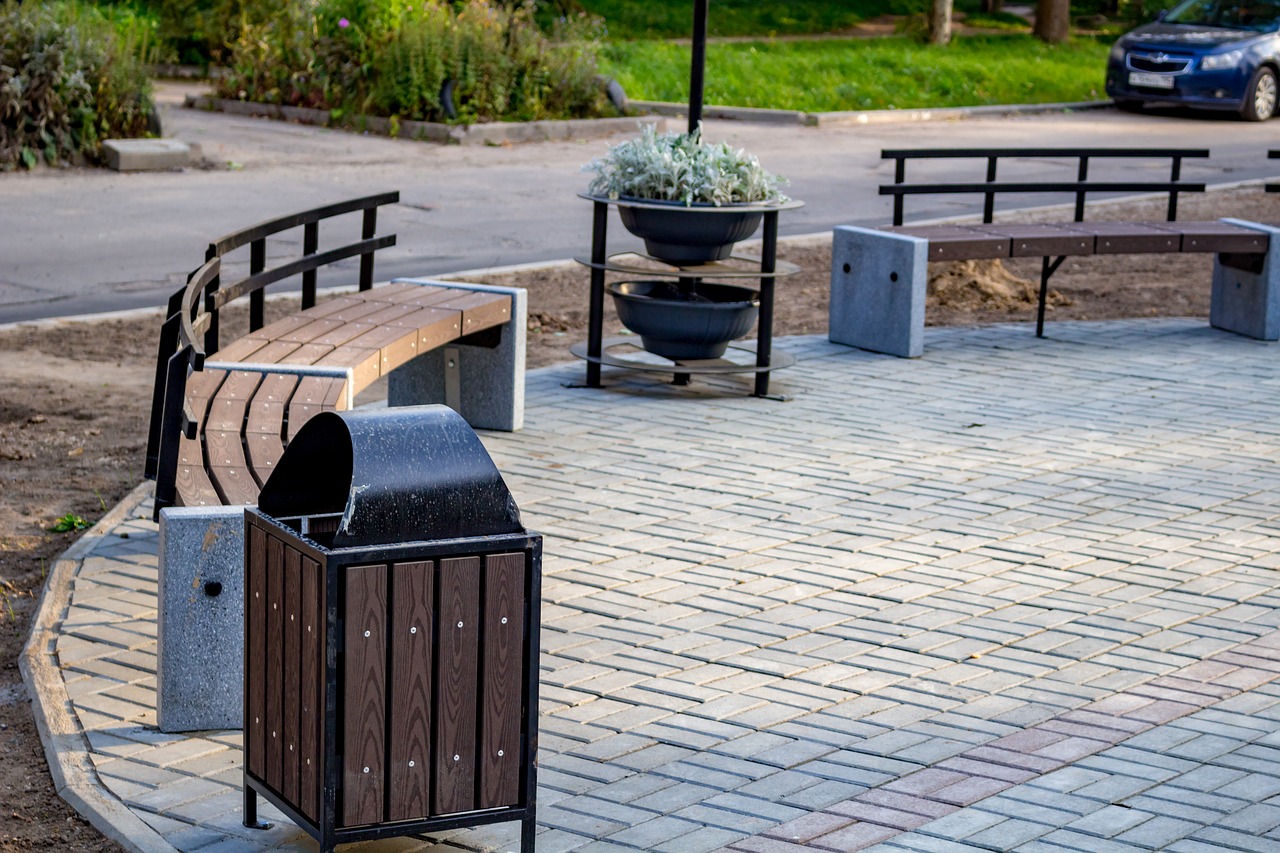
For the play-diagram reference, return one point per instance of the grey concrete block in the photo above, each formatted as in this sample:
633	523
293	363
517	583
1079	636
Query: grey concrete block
147	155
486	386
1247	302
878	285
200	637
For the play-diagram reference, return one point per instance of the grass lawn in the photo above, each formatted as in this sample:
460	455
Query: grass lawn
858	74
629	19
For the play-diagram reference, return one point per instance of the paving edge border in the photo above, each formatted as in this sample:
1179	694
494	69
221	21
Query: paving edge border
74	776
489	133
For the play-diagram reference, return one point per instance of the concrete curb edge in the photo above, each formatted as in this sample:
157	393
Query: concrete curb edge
65	748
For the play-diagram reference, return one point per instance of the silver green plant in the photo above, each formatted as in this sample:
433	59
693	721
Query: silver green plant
681	167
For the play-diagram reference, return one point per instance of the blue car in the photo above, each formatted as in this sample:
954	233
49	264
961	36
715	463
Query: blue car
1210	54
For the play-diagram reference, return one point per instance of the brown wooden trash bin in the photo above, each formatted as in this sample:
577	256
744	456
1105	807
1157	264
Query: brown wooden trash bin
391	633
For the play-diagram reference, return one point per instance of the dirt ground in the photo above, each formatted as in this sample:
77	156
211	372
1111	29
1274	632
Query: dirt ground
76	396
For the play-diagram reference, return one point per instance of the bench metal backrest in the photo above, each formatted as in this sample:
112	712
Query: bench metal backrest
1080	187
190	328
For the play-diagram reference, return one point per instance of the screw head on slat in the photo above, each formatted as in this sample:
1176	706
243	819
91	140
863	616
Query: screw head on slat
410	762
366	770
504	620
501	753
366	633
413	630
459	624
457	758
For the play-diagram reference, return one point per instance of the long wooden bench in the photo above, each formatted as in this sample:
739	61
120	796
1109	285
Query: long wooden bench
222	415
879	275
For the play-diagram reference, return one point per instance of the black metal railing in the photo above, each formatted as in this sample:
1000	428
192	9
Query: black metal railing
1273	154
191	330
1079	188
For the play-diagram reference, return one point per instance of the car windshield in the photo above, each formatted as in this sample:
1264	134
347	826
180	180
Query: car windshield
1259	15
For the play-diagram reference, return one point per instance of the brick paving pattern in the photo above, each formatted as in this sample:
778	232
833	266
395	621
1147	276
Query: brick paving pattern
1014	595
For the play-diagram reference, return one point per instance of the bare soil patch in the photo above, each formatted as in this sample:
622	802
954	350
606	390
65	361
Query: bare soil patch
76	396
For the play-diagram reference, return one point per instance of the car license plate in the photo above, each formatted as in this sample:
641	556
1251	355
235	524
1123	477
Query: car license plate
1151	81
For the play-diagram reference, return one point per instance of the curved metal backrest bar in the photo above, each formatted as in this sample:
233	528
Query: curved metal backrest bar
192	321
219	298
236	239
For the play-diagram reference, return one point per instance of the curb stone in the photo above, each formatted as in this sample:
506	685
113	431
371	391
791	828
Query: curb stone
494	133
65	750
857	117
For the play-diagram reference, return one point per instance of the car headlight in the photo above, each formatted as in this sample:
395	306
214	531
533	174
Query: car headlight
1213	61
1118	51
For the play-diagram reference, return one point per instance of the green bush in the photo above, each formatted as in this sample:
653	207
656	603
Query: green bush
392	58
69	78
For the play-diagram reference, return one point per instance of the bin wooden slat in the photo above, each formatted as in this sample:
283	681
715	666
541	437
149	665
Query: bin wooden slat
501	681
364	682
412	622
455	717
255	666
292	660
275	659
311	688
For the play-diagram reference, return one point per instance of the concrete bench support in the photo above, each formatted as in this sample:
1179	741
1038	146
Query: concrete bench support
1246	297
199	670
878	286
485	385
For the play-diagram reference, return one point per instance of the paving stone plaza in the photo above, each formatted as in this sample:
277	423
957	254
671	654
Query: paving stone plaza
1017	594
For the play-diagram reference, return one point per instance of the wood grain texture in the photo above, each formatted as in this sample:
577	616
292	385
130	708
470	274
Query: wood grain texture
290	732
458	639
275	660
311	692
502	684
364	681
255	589
409	748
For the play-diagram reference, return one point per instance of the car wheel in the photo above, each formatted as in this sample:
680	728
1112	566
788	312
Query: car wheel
1260	97
1128	106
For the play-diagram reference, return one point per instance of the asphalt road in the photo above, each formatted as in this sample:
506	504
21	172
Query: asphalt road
86	241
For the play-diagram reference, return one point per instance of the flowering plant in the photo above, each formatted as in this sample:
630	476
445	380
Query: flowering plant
681	167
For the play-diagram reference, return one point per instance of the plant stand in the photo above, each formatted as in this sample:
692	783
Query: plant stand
598	351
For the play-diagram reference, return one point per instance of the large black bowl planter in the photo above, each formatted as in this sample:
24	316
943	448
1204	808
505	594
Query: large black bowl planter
689	234
694	322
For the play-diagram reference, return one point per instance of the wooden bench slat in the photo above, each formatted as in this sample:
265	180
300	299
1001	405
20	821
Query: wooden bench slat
227	411
365	363
236	485
1114	238
313	397
480	310
954	242
435	326
420	294
201	388
1216	237
274	352
345	308
241	349
1039	240
193	487
263	451
190	451
309	331
266	411
308	354
281	328
225	449
389	313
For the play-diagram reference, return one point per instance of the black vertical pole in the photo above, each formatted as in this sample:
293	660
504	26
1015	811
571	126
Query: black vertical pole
595	316
696	72
764	331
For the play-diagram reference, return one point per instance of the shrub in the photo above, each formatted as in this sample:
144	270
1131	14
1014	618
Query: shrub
392	58
69	78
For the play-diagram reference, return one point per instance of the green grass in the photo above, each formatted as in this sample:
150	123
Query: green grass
654	19
858	74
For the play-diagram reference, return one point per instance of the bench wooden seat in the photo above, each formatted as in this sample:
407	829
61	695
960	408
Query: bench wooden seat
247	410
974	242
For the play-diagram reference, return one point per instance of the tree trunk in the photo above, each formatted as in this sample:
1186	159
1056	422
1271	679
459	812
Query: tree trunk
1053	20
990	6
940	22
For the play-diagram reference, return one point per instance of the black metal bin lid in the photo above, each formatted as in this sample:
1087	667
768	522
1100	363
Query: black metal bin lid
397	475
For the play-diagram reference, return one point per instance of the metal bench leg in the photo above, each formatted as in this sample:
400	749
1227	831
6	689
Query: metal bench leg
528	834
1046	271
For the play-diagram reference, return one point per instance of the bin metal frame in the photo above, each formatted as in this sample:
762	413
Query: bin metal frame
326	830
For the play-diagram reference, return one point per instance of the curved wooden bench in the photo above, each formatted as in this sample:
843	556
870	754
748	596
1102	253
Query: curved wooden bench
222	415
253	395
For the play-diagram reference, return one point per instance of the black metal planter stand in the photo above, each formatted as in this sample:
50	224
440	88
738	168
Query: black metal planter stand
595	350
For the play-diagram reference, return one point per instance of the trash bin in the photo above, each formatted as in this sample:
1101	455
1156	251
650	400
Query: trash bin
391	633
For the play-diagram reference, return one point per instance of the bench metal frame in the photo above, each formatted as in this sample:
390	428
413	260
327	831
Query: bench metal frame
190	329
